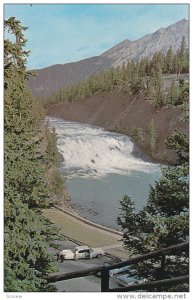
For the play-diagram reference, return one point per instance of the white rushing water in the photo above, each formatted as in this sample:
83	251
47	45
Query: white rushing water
92	151
101	168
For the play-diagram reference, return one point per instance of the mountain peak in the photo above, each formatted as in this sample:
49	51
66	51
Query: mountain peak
160	40
117	48
54	77
181	21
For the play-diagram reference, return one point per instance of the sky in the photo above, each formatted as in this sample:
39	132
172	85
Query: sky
62	33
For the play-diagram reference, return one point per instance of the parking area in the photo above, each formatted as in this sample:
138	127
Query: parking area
86	284
77	233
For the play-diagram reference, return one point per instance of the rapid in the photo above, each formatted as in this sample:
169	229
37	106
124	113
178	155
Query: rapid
101	167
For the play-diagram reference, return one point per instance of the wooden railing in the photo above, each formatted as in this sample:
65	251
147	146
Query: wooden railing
104	270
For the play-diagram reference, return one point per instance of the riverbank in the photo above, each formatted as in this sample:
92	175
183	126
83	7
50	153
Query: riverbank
121	112
85	233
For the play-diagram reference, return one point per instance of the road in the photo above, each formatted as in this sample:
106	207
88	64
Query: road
85	233
85	284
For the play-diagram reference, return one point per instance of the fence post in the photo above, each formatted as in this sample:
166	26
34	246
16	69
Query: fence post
105	280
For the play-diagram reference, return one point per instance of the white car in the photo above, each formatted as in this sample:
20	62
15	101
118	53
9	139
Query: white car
80	252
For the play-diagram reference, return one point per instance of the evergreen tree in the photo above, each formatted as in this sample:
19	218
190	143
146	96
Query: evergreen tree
182	55
154	90
136	85
173	95
176	63
138	135
26	232
186	65
163	222
152	136
143	67
184	91
169	61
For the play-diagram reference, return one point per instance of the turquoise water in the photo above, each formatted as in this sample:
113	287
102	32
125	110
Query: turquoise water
100	168
99	199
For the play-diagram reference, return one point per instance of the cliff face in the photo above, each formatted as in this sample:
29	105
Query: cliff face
120	112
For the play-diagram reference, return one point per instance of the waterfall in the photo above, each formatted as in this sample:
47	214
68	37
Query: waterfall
91	151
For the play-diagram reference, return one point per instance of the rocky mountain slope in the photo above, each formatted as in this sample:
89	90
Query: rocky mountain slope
160	40
50	79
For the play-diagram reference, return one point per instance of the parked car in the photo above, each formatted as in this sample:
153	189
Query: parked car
128	280
114	272
80	252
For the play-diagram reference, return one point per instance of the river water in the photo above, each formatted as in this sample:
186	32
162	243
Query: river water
101	168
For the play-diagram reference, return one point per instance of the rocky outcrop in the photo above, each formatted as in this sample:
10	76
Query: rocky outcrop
160	40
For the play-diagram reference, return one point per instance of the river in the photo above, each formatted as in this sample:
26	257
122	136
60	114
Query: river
101	167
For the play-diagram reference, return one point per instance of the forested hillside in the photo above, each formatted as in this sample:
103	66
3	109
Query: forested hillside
147	100
28	189
54	77
145	76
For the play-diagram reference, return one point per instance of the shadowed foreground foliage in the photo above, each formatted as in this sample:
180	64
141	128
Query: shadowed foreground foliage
27	232
163	222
